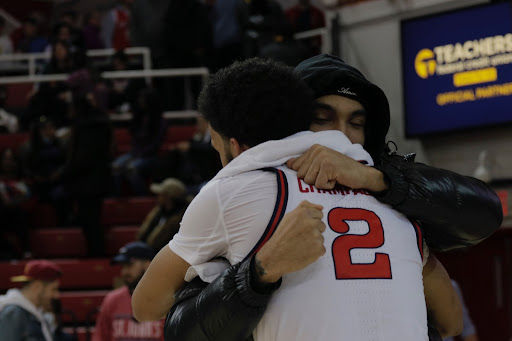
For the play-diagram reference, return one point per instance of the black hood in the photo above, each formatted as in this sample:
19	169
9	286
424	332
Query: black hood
330	75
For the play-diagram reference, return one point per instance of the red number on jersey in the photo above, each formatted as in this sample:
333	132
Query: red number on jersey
345	269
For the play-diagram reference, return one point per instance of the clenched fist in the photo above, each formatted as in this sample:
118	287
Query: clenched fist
296	243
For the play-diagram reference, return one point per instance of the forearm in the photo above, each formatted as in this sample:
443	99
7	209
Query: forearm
443	304
226	309
455	210
154	294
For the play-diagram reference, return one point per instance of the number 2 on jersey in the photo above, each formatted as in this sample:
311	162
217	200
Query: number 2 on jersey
345	269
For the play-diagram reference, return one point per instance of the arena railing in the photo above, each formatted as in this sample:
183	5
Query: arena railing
322	32
147	71
32	58
202	72
145	52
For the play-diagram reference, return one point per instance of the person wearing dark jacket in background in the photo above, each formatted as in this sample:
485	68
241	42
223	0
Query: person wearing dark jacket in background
121	92
194	161
285	48
148	129
188	35
200	161
455	211
14	192
76	36
92	31
266	19
150	33
31	41
43	155
86	173
229	20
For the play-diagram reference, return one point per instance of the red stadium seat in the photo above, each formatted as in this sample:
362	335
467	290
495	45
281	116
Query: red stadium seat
121	211
117	236
177	134
81	303
123	139
17	95
78	273
57	242
13	141
126	211
180	133
70	241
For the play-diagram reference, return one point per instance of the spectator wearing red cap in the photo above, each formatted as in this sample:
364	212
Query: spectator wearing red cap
115	321
21	310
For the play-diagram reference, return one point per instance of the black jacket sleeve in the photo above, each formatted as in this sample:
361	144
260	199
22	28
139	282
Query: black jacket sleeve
455	210
226	309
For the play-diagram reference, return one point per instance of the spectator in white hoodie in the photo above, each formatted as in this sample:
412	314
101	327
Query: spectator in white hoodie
21	310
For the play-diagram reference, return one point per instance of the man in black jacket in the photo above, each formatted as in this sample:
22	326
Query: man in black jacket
232	305
86	173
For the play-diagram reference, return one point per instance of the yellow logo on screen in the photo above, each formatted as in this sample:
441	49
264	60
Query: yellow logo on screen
425	64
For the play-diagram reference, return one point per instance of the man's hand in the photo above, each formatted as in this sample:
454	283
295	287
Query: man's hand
296	243
325	168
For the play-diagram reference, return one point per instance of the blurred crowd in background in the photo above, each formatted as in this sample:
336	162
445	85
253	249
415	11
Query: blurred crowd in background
70	158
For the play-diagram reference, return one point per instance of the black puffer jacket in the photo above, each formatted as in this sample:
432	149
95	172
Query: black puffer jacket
455	211
226	309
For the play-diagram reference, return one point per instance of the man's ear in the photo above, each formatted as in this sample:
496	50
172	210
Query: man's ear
236	148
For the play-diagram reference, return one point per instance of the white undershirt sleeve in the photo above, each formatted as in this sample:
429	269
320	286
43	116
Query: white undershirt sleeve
227	218
201	236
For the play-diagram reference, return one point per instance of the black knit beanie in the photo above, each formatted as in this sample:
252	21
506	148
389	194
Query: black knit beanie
330	75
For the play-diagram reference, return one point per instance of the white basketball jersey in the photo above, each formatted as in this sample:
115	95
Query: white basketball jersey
367	287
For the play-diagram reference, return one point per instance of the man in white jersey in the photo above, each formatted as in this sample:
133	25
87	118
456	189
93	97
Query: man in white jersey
369	286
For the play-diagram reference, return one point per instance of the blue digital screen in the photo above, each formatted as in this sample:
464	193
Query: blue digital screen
457	70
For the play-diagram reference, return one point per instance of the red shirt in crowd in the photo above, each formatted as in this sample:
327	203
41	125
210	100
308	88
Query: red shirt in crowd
115	321
121	34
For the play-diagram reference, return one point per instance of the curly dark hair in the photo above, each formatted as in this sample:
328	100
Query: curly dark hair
256	100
